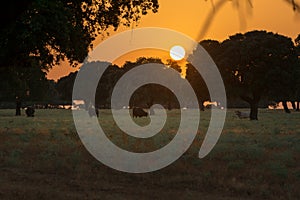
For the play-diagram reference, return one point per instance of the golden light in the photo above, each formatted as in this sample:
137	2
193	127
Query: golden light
177	52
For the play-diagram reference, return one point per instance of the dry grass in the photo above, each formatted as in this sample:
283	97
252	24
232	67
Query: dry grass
42	157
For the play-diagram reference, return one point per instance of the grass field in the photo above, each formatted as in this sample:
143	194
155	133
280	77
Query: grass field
43	158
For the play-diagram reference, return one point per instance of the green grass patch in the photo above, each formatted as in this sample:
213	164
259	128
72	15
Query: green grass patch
252	159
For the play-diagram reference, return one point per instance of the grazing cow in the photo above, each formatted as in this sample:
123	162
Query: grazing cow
30	111
139	112
93	111
242	115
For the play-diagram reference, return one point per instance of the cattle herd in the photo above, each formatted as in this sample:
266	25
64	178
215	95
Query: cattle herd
242	115
137	112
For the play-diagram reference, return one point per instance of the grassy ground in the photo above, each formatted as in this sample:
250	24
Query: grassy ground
43	158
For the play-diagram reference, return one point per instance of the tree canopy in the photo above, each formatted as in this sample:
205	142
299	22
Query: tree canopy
37	34
41	33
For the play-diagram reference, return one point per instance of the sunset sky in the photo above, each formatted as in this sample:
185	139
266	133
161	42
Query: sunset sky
200	20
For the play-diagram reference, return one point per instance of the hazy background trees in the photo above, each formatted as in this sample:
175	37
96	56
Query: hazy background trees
257	67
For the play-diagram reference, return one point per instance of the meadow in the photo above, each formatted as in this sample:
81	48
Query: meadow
43	158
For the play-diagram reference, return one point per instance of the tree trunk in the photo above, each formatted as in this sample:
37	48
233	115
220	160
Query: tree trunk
294	105
18	106
151	109
285	107
201	105
253	110
169	105
253	105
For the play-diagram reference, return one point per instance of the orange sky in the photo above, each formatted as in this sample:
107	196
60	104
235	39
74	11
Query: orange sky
190	17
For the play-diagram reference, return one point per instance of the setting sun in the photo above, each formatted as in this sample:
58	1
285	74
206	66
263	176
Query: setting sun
177	52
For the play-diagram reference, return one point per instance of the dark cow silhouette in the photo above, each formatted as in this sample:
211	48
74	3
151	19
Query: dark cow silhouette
139	112
93	111
242	115
30	111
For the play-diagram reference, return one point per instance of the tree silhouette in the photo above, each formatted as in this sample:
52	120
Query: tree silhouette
42	33
195	79
259	63
36	35
297	84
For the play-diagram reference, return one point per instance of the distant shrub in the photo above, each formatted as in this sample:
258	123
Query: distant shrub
14	158
278	169
285	157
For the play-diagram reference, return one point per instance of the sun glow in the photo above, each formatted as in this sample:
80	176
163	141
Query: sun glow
177	52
